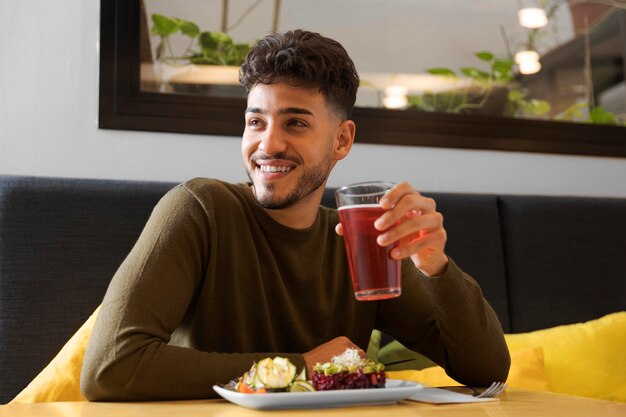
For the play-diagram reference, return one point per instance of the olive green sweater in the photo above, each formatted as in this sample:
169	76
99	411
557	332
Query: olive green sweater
214	283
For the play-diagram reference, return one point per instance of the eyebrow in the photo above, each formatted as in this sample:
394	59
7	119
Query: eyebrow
288	110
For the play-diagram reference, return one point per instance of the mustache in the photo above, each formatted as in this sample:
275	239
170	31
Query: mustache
261	156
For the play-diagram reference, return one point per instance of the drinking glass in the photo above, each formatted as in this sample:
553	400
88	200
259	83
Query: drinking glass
375	275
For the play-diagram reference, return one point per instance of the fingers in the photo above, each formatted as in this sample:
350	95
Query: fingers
400	201
339	229
427	244
412	228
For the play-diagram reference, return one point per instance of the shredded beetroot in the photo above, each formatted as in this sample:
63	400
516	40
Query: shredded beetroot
345	380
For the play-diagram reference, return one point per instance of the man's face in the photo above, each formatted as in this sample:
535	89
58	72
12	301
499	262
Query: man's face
289	143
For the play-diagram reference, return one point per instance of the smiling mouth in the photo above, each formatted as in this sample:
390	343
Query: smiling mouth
274	168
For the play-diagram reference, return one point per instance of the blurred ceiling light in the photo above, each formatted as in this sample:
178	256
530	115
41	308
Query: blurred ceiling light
395	97
532	17
531	67
528	62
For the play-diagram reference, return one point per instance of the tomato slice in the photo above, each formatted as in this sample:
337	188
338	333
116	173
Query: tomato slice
245	389
241	387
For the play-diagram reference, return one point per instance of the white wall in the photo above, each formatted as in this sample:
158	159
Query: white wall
48	126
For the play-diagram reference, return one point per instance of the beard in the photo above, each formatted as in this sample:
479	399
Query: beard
311	180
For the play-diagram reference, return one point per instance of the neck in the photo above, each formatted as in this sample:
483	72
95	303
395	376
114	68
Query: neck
302	214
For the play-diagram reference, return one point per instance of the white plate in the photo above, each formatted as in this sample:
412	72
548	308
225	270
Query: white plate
395	390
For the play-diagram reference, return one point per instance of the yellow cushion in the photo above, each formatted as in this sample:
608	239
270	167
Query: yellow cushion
60	380
526	371
586	359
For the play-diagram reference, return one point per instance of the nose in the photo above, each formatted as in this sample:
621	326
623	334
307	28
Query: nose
273	140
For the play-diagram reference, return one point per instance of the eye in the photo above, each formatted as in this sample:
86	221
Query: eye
297	123
254	122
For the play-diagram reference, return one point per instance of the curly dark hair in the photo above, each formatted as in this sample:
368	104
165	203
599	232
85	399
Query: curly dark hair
304	58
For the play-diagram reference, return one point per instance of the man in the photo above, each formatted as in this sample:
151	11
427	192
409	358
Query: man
224	275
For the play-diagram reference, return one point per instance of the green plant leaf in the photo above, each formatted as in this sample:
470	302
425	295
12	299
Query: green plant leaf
189	28
536	107
600	116
163	26
205	57
199	59
503	64
502	69
484	55
445	72
241	50
515	95
227	54
213	40
222	38
475	73
573	112
207	41
421	103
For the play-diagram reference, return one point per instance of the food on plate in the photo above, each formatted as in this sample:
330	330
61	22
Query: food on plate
348	371
273	375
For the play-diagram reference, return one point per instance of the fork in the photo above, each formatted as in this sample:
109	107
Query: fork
493	390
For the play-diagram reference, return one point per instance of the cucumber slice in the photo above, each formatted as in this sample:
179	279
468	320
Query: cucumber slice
260	374
275	373
301	386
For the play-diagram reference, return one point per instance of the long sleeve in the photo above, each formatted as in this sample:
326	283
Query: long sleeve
129	356
451	323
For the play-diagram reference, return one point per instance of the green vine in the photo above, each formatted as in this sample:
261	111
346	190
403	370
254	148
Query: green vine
499	73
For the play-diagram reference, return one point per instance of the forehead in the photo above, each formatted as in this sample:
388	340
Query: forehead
280	95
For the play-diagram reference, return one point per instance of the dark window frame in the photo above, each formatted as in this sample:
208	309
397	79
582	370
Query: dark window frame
124	106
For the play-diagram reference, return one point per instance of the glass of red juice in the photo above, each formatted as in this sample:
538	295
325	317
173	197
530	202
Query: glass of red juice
375	275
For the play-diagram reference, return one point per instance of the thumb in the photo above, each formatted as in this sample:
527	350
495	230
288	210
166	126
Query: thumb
339	229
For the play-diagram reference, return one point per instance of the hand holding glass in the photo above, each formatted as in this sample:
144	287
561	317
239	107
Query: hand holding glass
375	275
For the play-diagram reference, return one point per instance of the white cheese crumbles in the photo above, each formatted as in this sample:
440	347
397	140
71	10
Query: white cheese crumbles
349	359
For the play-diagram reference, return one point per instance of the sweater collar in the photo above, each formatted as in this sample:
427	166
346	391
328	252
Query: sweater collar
272	226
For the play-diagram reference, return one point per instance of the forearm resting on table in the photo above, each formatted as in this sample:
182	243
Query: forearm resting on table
158	371
464	335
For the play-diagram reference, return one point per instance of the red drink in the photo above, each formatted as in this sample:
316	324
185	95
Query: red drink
375	275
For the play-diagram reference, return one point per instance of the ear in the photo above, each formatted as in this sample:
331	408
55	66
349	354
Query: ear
344	139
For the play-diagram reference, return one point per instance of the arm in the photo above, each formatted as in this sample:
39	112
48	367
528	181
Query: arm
447	319
463	333
128	356
451	322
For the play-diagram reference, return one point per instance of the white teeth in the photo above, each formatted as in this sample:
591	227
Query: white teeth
272	168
